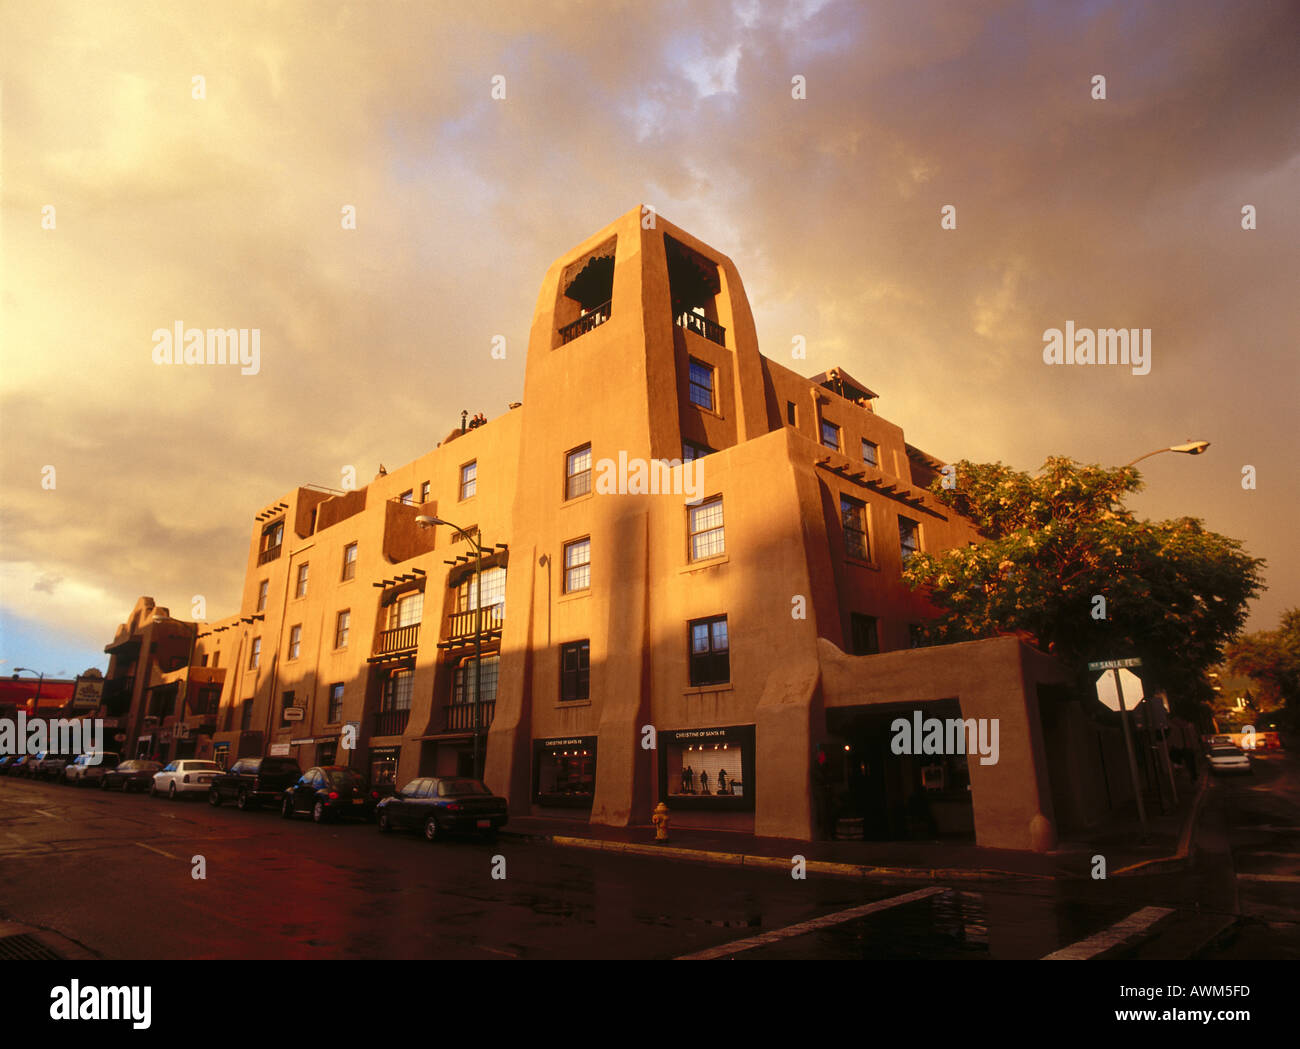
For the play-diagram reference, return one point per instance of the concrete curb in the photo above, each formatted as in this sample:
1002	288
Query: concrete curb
1184	839
737	859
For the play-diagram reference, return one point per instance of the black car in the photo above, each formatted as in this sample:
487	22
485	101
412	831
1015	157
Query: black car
6	763
329	792
252	781
438	805
136	774
18	766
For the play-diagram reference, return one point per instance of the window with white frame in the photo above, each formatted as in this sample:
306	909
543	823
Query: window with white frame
706	532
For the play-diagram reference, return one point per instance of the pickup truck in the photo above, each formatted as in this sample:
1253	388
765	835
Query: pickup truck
251	781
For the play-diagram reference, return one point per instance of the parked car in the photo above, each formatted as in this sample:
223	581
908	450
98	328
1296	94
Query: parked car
441	805
51	766
252	781
1227	757
136	774
184	776
26	766
18	766
6	763
86	772
329	792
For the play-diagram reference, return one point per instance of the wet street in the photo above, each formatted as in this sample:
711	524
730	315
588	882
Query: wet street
113	874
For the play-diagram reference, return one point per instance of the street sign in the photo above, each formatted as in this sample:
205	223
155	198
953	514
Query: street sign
1132	685
294	713
1114	664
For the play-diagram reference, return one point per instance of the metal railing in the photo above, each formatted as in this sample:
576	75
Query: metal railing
711	330
397	640
591	319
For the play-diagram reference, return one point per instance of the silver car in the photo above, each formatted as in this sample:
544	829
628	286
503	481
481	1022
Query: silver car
85	771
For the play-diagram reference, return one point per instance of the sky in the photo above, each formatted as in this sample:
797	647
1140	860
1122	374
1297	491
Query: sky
218	202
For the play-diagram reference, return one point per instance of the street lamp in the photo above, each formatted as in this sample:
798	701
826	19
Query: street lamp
426	521
39	682
1190	448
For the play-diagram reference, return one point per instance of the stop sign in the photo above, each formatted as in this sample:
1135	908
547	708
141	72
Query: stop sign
1130	682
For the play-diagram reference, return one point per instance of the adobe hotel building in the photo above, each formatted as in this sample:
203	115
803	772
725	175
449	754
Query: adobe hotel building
747	630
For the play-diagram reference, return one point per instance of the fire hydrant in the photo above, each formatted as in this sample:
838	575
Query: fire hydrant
660	820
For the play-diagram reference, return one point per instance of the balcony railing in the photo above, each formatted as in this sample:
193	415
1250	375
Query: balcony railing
269	554
460	716
461	625
399	639
591	319
391	722
711	330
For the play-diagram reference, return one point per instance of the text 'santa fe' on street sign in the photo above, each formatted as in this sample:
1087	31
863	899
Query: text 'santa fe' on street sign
1114	664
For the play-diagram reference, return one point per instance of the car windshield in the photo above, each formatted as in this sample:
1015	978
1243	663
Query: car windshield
342	777
452	788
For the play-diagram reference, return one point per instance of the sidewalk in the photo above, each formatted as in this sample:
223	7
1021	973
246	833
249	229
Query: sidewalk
1118	842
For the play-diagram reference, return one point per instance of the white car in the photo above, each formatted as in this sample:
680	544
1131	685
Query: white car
1227	757
84	771
184	776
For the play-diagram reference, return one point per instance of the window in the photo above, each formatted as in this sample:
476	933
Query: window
262	589
577	565
341	626
710	652
397	690
425	491
909	537
692	451
216	658
286	701
705	523
272	538
255	655
464	686
864	639
701	384
575	671
246	715
577	472
203	662
830	435
295	641
870	453
301	589
469	479
327	753
791	416
336	703
853	514
494	590
407	610
350	561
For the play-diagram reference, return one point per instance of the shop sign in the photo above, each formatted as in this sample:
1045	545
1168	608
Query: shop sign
279	750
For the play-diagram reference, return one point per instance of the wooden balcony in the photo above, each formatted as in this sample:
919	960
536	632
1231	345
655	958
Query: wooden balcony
391	722
711	330
461	626
399	639
269	554
593	318
460	716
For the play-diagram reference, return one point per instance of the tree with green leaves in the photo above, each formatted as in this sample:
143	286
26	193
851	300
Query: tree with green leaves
1066	566
1272	659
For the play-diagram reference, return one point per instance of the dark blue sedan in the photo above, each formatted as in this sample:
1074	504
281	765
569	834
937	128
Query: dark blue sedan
438	805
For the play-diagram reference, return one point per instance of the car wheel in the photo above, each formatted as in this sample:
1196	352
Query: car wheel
103	783
214	799
153	789
318	812
243	802
384	825
286	808
171	792
431	829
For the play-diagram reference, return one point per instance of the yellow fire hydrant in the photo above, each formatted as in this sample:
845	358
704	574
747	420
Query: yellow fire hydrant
660	820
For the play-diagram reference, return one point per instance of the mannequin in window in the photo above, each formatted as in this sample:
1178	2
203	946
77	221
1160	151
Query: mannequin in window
704	782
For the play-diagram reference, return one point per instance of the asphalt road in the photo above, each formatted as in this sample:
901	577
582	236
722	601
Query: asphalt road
114	874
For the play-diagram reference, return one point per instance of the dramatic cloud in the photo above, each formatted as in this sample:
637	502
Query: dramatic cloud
225	212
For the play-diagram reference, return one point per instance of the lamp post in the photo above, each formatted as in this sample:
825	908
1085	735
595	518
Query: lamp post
1190	448
425	521
39	682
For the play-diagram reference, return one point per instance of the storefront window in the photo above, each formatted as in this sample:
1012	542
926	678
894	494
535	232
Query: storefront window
711	767
383	766
565	771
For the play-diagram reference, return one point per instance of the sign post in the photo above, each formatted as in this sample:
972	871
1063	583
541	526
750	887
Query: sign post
1115	666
